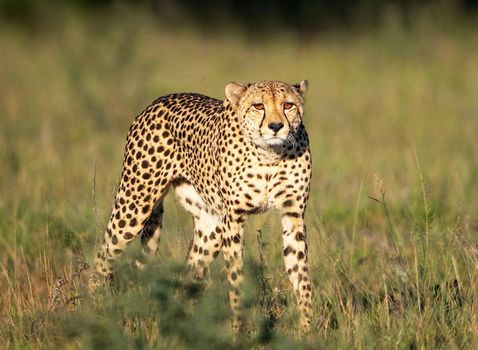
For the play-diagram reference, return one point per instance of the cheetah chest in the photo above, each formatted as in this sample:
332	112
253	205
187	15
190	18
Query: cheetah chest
254	190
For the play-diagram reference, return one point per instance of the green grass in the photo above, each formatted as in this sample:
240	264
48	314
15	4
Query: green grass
392	220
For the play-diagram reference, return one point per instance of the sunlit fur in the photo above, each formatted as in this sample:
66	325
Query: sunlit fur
207	150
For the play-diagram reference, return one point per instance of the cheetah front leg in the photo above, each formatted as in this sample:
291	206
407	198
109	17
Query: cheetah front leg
295	256
206	243
207	239
232	237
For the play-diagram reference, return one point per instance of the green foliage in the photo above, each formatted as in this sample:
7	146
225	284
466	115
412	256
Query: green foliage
391	221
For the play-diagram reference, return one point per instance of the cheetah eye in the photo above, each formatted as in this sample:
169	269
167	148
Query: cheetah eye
287	105
259	106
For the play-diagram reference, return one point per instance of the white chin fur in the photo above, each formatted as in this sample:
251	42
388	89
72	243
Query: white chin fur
275	141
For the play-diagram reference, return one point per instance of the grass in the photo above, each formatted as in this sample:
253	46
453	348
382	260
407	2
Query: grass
392	219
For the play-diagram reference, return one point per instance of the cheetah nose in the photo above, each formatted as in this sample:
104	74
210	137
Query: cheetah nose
275	126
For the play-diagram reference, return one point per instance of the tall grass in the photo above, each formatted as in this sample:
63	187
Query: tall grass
392	116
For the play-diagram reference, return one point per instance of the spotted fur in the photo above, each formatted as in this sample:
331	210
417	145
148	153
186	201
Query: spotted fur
225	160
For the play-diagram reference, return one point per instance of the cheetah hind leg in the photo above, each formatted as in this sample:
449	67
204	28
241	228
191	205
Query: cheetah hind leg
123	228
150	235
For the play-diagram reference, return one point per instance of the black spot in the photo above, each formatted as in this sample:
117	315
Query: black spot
299	236
288	203
279	193
287	250
128	235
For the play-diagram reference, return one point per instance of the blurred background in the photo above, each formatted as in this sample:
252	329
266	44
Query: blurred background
253	16
392	111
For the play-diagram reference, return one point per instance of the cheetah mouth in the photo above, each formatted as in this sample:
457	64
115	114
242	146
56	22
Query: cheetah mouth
275	141
279	140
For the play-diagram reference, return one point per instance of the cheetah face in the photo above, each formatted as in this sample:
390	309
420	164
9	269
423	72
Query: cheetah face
271	111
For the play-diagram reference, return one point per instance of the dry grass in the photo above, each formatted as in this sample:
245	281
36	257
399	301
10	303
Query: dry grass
392	217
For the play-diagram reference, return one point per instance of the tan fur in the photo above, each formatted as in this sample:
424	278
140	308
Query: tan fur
226	160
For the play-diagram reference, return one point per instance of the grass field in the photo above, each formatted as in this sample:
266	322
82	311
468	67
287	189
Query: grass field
393	215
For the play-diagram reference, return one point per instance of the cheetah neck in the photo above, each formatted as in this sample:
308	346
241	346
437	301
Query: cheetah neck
268	154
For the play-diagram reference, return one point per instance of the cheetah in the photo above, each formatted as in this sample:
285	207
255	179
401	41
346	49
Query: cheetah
225	160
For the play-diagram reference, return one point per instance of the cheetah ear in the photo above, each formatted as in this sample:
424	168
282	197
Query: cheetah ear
234	92
301	87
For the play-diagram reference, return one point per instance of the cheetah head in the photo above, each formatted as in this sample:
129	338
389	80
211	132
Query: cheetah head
271	111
